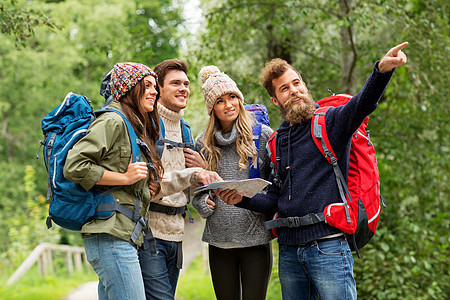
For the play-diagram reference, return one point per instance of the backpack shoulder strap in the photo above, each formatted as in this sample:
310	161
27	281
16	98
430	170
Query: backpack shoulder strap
320	137
273	152
254	169
160	142
186	134
162	129
135	141
272	148
319	134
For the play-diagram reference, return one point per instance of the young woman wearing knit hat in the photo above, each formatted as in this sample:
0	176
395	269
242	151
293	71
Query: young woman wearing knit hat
240	255
103	158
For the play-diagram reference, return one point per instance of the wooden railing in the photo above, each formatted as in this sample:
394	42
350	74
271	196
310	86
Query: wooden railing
42	254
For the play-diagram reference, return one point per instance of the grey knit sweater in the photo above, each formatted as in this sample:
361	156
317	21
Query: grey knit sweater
228	226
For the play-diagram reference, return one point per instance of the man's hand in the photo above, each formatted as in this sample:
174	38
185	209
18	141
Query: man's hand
393	58
205	177
230	197
193	159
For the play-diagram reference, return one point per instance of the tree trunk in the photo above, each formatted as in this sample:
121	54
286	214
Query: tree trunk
275	47
349	55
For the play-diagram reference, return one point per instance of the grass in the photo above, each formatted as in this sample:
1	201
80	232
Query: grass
196	284
33	286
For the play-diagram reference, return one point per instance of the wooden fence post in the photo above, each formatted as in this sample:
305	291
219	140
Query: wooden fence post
42	254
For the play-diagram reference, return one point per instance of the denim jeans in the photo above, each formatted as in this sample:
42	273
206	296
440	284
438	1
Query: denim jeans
323	267
117	265
160	271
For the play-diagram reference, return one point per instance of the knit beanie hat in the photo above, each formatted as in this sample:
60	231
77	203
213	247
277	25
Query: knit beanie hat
216	84
126	75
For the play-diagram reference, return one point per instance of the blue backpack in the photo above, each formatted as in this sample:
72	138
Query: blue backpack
259	111
71	206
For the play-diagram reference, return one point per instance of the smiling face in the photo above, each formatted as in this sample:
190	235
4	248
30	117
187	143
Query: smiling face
149	98
287	86
175	92
292	97
227	109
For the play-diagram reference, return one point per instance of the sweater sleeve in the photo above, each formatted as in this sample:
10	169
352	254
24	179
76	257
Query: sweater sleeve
199	204
262	203
178	180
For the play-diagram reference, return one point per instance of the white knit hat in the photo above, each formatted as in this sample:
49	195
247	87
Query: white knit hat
216	84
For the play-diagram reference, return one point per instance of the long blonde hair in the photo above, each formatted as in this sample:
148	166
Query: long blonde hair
244	142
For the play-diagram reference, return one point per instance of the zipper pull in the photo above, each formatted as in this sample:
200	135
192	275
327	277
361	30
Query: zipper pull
39	150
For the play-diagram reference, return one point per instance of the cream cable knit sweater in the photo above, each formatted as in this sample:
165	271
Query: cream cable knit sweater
165	227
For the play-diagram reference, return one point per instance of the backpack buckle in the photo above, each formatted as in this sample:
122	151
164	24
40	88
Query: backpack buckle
293	222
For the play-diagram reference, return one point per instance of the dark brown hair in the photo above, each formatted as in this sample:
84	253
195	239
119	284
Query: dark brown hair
145	124
274	69
167	65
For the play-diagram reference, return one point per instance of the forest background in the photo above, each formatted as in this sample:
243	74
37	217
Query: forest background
51	47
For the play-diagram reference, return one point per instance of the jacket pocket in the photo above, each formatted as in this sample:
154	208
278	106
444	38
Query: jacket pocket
125	156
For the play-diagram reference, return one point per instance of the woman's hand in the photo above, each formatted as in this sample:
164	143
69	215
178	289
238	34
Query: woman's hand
210	203
136	171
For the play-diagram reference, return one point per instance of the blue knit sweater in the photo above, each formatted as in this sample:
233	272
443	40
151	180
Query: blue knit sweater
310	184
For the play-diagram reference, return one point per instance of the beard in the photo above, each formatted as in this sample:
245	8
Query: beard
299	112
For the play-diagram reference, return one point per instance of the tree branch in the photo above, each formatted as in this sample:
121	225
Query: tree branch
222	9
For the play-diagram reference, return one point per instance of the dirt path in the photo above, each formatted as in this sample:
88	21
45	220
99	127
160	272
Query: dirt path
192	247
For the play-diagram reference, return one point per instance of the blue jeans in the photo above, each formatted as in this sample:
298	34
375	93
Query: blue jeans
160	271
323	267
117	265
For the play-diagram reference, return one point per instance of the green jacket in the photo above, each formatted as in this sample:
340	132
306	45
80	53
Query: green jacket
107	146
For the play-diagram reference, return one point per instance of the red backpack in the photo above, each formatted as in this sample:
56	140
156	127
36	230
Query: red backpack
359	212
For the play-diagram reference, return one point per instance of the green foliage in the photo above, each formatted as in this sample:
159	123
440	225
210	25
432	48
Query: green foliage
22	222
408	256
34	79
157	29
27	230
195	283
410	129
20	22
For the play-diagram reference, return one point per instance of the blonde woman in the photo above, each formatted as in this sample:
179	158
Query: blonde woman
239	249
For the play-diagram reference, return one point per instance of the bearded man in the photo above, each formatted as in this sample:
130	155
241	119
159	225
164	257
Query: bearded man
314	260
